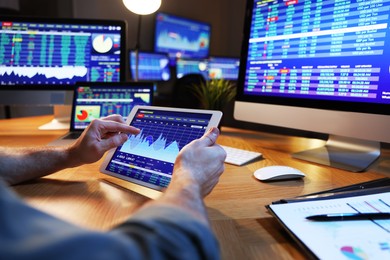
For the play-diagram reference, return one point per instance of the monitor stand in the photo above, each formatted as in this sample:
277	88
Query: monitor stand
61	118
345	153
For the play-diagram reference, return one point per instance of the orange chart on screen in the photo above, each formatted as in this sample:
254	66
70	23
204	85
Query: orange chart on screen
82	115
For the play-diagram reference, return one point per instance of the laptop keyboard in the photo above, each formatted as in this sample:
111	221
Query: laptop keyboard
72	136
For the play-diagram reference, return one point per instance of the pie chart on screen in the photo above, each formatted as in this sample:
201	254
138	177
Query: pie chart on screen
353	253
82	115
102	43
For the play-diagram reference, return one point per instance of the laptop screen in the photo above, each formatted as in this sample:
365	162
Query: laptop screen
96	100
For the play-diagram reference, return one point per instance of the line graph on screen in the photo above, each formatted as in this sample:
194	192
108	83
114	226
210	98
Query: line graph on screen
160	141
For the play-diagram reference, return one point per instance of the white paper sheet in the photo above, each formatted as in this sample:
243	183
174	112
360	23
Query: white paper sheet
348	239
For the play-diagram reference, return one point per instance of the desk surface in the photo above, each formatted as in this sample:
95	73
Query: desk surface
236	206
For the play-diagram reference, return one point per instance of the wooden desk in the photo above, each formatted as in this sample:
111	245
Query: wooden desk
243	226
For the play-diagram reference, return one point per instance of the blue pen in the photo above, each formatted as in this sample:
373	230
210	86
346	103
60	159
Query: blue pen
349	216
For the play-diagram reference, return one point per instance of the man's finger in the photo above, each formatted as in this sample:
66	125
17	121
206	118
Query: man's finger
113	141
114	117
209	138
111	126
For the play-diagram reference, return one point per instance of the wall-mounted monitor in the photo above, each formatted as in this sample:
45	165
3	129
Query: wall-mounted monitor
181	37
151	66
50	53
320	66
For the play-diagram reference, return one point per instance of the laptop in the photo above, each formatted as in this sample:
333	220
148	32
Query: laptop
93	100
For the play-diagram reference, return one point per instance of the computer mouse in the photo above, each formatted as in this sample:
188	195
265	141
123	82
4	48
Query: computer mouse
276	173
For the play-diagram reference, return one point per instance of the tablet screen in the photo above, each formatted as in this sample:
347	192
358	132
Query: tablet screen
149	157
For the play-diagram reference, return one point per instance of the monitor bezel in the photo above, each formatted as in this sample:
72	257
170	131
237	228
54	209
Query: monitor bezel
123	61
361	107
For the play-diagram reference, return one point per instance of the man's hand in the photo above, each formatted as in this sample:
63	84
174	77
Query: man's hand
101	136
201	162
196	172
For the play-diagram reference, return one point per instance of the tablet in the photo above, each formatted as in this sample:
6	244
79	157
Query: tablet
148	158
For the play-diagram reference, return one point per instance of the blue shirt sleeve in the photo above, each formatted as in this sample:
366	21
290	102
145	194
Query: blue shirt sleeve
155	232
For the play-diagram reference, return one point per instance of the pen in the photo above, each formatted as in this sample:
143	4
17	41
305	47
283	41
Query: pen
349	216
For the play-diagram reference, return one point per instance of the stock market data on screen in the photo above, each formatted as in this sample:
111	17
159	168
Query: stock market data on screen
334	50
97	102
150	155
59	52
191	66
210	68
151	66
223	68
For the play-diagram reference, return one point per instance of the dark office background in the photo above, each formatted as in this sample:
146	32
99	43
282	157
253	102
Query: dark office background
225	16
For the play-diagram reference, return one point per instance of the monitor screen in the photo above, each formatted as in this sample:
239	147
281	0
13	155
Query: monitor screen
152	66
60	52
211	68
223	68
191	66
318	65
181	37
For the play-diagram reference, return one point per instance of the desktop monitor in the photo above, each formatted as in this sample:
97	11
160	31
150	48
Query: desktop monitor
223	68
181	37
319	66
48	56
151	66
211	68
191	66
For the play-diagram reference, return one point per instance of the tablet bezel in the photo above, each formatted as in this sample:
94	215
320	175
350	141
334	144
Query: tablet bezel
214	122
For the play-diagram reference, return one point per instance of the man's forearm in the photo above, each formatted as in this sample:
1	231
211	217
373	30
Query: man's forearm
186	196
22	164
169	233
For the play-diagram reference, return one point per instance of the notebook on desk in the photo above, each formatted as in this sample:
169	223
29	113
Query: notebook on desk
93	100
